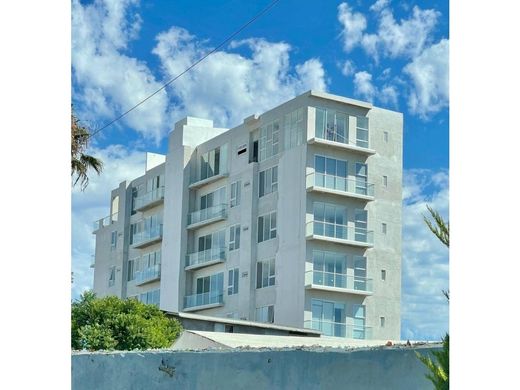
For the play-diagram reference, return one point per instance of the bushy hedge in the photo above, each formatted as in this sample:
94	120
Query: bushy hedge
112	323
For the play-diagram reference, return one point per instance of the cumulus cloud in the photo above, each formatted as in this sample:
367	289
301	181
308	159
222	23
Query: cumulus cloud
425	258
120	164
429	73
379	5
227	86
107	81
405	38
348	68
354	24
363	85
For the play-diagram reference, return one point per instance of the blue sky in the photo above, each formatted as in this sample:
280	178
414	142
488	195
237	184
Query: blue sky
394	54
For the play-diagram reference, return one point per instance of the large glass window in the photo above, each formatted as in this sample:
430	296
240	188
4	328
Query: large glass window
233	281
330	173
269	140
111	276
361	233
293	125
268	181
130	270
329	317
146	229
265	314
235	194
362	131
214	240
213	162
361	179
113	240
234	237
265	273
214	198
358	331
329	269
360	273
209	289
267	226
331	125
330	220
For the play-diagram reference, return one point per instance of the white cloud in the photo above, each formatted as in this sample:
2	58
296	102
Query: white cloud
405	38
107	81
363	86
94	203
379	5
430	77
425	259
389	95
348	68
227	87
354	23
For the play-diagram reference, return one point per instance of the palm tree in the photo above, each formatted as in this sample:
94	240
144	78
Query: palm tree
81	162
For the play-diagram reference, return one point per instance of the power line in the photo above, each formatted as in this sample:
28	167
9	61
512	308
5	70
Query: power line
191	66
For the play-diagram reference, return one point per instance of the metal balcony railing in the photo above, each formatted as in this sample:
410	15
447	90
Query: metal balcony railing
342	232
341	184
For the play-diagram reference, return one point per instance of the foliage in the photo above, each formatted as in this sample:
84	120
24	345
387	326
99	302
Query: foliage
122	324
81	162
439	373
441	229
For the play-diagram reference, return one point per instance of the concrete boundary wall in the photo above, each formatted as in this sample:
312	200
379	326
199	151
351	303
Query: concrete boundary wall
316	368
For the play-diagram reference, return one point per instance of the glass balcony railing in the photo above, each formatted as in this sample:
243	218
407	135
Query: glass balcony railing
198	179
107	221
342	232
337	280
339	329
147	235
148	274
218	211
212	297
149	198
341	184
199	258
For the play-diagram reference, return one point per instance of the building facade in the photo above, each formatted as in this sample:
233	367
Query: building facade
292	217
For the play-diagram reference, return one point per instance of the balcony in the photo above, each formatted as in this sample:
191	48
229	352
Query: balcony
339	186
339	329
330	281
149	200
197	182
205	258
147	275
206	216
340	234
103	222
147	237
203	301
337	140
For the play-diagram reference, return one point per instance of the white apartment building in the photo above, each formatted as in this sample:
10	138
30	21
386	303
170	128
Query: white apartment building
292	217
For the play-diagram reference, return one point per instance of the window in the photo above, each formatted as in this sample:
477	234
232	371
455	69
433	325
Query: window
152	297
382	321
328	317
385	181
268	181
242	149
358	331
137	192
213	240
360	273
383	274
293	125
265	314
148	267
234	237
331	125
362	132
113	240
360	223
154	183
111	276
265	273
235	194
213	162
330	173
383	228
232	281
267	227
214	198
269	140
210	289
330	220
385	136
329	269
362	179
146	229
130	273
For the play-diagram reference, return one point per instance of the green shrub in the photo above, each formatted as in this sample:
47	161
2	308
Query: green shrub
112	323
